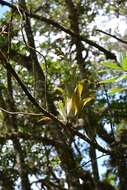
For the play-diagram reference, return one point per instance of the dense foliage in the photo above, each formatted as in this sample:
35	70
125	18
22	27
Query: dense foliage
63	95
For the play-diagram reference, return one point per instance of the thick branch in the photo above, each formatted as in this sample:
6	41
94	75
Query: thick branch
94	144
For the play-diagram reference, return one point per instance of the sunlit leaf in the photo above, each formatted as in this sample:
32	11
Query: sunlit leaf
79	88
61	110
101	71
76	103
115	90
124	76
124	63
59	90
114	79
87	100
73	104
112	65
68	105
45	120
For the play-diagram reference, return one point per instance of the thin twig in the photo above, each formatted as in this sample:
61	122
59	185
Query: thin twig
85	163
20	113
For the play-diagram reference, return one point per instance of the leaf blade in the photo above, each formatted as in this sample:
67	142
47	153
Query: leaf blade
112	65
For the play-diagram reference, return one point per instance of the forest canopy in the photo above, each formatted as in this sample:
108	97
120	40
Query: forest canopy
63	102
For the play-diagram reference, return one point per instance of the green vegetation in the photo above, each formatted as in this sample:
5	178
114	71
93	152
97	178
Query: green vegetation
63	103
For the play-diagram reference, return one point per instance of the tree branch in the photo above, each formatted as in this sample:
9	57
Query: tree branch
108	54
28	94
45	112
113	36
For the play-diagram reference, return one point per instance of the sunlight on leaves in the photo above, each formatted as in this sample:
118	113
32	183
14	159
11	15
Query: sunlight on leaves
115	90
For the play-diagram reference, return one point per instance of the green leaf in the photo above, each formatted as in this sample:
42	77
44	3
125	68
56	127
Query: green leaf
55	161
112	65
114	79
101	71
124	63
61	110
115	90
124	76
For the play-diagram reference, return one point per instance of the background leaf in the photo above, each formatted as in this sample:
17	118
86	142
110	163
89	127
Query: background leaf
115	90
112	65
